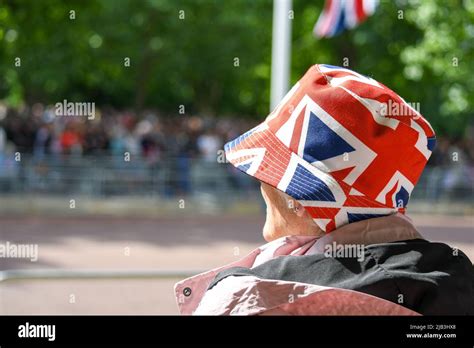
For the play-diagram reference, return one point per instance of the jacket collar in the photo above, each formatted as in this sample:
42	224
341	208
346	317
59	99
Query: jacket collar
385	229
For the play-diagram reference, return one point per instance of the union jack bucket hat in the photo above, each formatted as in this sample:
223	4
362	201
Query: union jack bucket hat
342	144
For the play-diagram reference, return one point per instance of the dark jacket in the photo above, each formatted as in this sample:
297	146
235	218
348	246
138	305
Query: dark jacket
429	278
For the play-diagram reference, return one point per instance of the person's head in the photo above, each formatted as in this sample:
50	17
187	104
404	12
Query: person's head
285	216
339	148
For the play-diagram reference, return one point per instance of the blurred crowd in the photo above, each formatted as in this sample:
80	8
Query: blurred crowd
153	138
38	131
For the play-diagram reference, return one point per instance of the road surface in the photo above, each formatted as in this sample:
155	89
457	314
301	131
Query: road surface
99	243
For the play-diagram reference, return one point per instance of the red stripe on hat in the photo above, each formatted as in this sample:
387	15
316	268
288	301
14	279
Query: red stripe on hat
423	123
321	212
341	174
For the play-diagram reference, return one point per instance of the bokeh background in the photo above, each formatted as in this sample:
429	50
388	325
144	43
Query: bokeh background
140	192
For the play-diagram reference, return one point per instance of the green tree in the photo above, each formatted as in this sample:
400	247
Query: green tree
213	56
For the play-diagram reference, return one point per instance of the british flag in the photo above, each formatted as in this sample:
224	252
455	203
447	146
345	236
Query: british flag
332	145
339	15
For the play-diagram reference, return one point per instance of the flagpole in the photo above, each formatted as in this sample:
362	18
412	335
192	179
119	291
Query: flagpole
281	51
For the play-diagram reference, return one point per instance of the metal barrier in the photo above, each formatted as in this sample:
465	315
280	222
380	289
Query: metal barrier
34	274
106	175
103	176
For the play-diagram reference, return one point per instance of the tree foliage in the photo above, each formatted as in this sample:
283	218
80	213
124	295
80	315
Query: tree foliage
214	56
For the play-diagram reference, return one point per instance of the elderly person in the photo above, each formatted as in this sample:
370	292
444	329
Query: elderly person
337	160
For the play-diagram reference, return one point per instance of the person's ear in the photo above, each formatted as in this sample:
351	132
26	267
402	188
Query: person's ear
299	209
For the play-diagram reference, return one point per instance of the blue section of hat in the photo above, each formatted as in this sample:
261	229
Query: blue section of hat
244	167
352	217
431	143
402	196
304	185
322	142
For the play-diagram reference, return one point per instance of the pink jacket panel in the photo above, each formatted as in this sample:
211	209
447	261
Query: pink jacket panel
248	295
